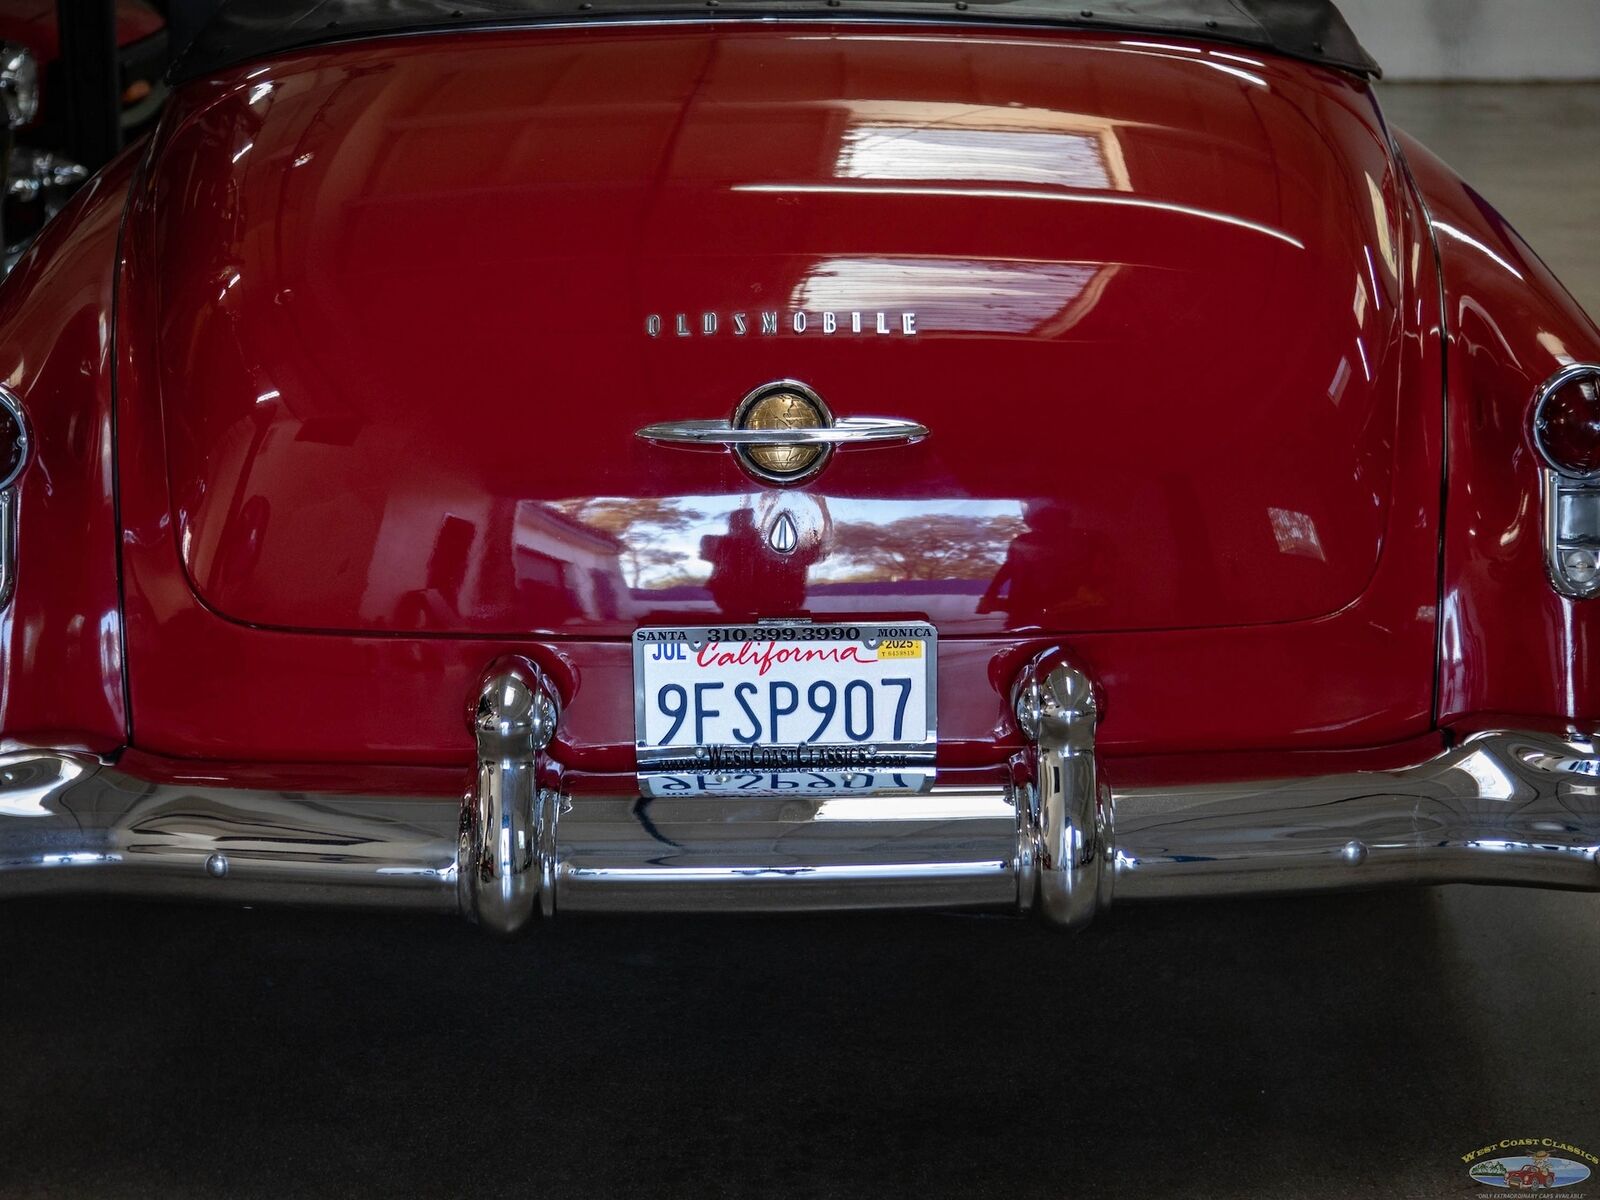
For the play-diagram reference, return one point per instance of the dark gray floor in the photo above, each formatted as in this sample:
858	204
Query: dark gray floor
1335	1048
1305	1048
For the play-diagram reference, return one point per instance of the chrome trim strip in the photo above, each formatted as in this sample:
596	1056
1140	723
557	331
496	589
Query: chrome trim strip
948	848
1502	808
8	545
9	497
70	824
848	431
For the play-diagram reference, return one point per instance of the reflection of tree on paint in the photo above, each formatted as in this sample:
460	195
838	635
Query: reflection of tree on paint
940	546
646	527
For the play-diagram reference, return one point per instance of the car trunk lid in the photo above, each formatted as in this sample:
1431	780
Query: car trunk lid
419	296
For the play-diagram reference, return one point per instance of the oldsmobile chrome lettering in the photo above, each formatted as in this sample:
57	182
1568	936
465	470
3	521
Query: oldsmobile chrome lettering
771	322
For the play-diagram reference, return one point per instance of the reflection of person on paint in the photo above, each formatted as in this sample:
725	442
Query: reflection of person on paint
747	576
1027	585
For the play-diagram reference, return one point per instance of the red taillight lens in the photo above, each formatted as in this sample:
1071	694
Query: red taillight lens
1566	422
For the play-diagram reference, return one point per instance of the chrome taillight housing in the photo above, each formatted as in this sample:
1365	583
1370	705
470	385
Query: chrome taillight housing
13	439
1566	421
1566	433
13	461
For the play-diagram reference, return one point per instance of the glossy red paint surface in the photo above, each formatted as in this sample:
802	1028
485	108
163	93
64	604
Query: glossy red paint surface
1512	650
403	345
393	385
61	650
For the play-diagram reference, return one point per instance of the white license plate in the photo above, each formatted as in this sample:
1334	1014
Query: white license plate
785	696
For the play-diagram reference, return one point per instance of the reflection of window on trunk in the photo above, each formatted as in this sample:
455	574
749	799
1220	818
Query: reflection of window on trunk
967	295
1071	159
1041	147
564	567
1295	533
542	584
535	570
605	595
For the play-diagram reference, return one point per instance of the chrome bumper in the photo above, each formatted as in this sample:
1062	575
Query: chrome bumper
1048	834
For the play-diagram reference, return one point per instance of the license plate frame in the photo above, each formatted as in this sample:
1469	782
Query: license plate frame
876	755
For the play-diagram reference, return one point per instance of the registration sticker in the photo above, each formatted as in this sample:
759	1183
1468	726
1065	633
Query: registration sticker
900	648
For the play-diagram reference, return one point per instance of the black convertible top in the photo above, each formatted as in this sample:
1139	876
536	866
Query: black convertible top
247	29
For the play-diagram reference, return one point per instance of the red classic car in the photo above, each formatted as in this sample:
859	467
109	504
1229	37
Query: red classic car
1531	1175
518	455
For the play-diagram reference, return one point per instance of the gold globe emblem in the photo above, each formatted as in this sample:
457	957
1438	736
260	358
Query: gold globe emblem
782	406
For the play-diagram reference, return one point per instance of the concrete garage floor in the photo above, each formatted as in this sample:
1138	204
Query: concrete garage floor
1350	1046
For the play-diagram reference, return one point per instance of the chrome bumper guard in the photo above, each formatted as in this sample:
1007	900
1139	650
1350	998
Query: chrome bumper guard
1051	836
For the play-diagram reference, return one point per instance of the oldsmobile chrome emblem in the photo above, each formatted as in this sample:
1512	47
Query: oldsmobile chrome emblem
784	405
782	433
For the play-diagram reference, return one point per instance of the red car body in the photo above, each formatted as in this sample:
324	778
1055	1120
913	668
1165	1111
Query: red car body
334	384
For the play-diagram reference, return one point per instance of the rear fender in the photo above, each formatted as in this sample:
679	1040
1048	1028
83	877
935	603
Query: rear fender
1509	644
61	638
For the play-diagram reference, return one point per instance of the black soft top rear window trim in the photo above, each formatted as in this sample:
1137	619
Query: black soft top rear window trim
244	30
